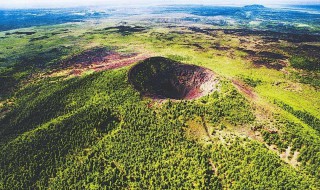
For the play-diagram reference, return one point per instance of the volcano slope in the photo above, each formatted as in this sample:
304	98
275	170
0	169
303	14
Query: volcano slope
258	129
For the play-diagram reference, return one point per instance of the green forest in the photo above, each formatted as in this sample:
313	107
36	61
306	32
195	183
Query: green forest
95	131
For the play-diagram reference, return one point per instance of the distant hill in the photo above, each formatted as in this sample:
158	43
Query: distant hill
254	7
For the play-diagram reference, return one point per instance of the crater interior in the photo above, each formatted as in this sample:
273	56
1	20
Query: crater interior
162	78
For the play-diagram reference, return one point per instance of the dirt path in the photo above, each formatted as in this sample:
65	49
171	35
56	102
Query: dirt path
248	91
204	124
214	168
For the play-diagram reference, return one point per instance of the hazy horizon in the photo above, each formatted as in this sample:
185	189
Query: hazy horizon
25	4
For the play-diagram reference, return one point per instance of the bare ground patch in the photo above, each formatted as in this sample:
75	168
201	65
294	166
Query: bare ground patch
98	59
246	90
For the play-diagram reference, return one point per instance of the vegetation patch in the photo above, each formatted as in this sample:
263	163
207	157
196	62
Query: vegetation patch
305	63
125	30
303	115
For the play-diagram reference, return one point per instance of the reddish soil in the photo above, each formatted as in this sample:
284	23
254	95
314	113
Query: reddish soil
99	59
244	89
116	60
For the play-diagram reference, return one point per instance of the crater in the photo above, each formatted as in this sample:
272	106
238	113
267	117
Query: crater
162	78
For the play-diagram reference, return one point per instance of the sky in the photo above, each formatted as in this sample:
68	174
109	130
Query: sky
77	3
